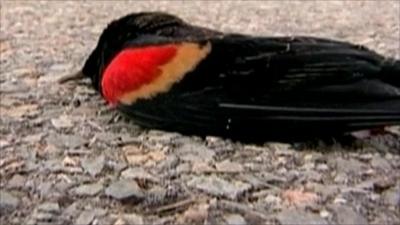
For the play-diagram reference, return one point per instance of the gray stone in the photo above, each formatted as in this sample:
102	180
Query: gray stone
341	178
312	175
88	189
183	168
138	173
56	72
346	215
384	219
124	189
347	166
365	157
99	212
394	130
86	217
272	200
65	141
219	187
42	216
31	165
45	189
163	220
170	162
297	216
46	213
378	145
51	207
392	198
193	151
10	87
227	166
326	191
347	192
17	181
62	122
322	167
63	186
133	219
117	166
52	151
242	208
289	175
77	152
219	144
201	167
107	220
380	163
367	185
161	137
53	165
71	211
281	149
308	166
106	137
8	202
383	183
234	219
94	166
273	179
254	181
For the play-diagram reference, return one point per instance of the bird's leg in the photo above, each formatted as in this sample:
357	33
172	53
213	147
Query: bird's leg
76	76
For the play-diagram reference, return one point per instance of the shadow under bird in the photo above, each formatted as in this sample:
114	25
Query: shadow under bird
167	74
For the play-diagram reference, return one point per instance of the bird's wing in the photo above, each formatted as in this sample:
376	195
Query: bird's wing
290	63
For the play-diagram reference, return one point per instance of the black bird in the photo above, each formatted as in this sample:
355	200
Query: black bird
167	74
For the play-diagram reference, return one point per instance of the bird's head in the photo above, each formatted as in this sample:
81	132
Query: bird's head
131	60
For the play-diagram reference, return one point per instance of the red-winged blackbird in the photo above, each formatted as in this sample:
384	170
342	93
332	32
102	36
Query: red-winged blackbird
167	74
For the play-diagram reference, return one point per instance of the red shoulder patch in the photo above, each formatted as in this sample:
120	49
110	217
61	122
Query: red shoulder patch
134	67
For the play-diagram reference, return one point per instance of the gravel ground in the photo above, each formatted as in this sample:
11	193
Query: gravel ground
67	159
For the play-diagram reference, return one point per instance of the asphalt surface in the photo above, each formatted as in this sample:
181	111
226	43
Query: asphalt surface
66	158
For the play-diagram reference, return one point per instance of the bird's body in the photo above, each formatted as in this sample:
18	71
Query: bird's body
167	74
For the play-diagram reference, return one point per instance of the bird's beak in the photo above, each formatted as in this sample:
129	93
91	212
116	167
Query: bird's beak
76	76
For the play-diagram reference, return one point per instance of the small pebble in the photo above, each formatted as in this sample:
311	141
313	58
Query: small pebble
88	189
94	166
8	202
85	218
227	166
138	173
234	219
346	215
219	187
124	189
